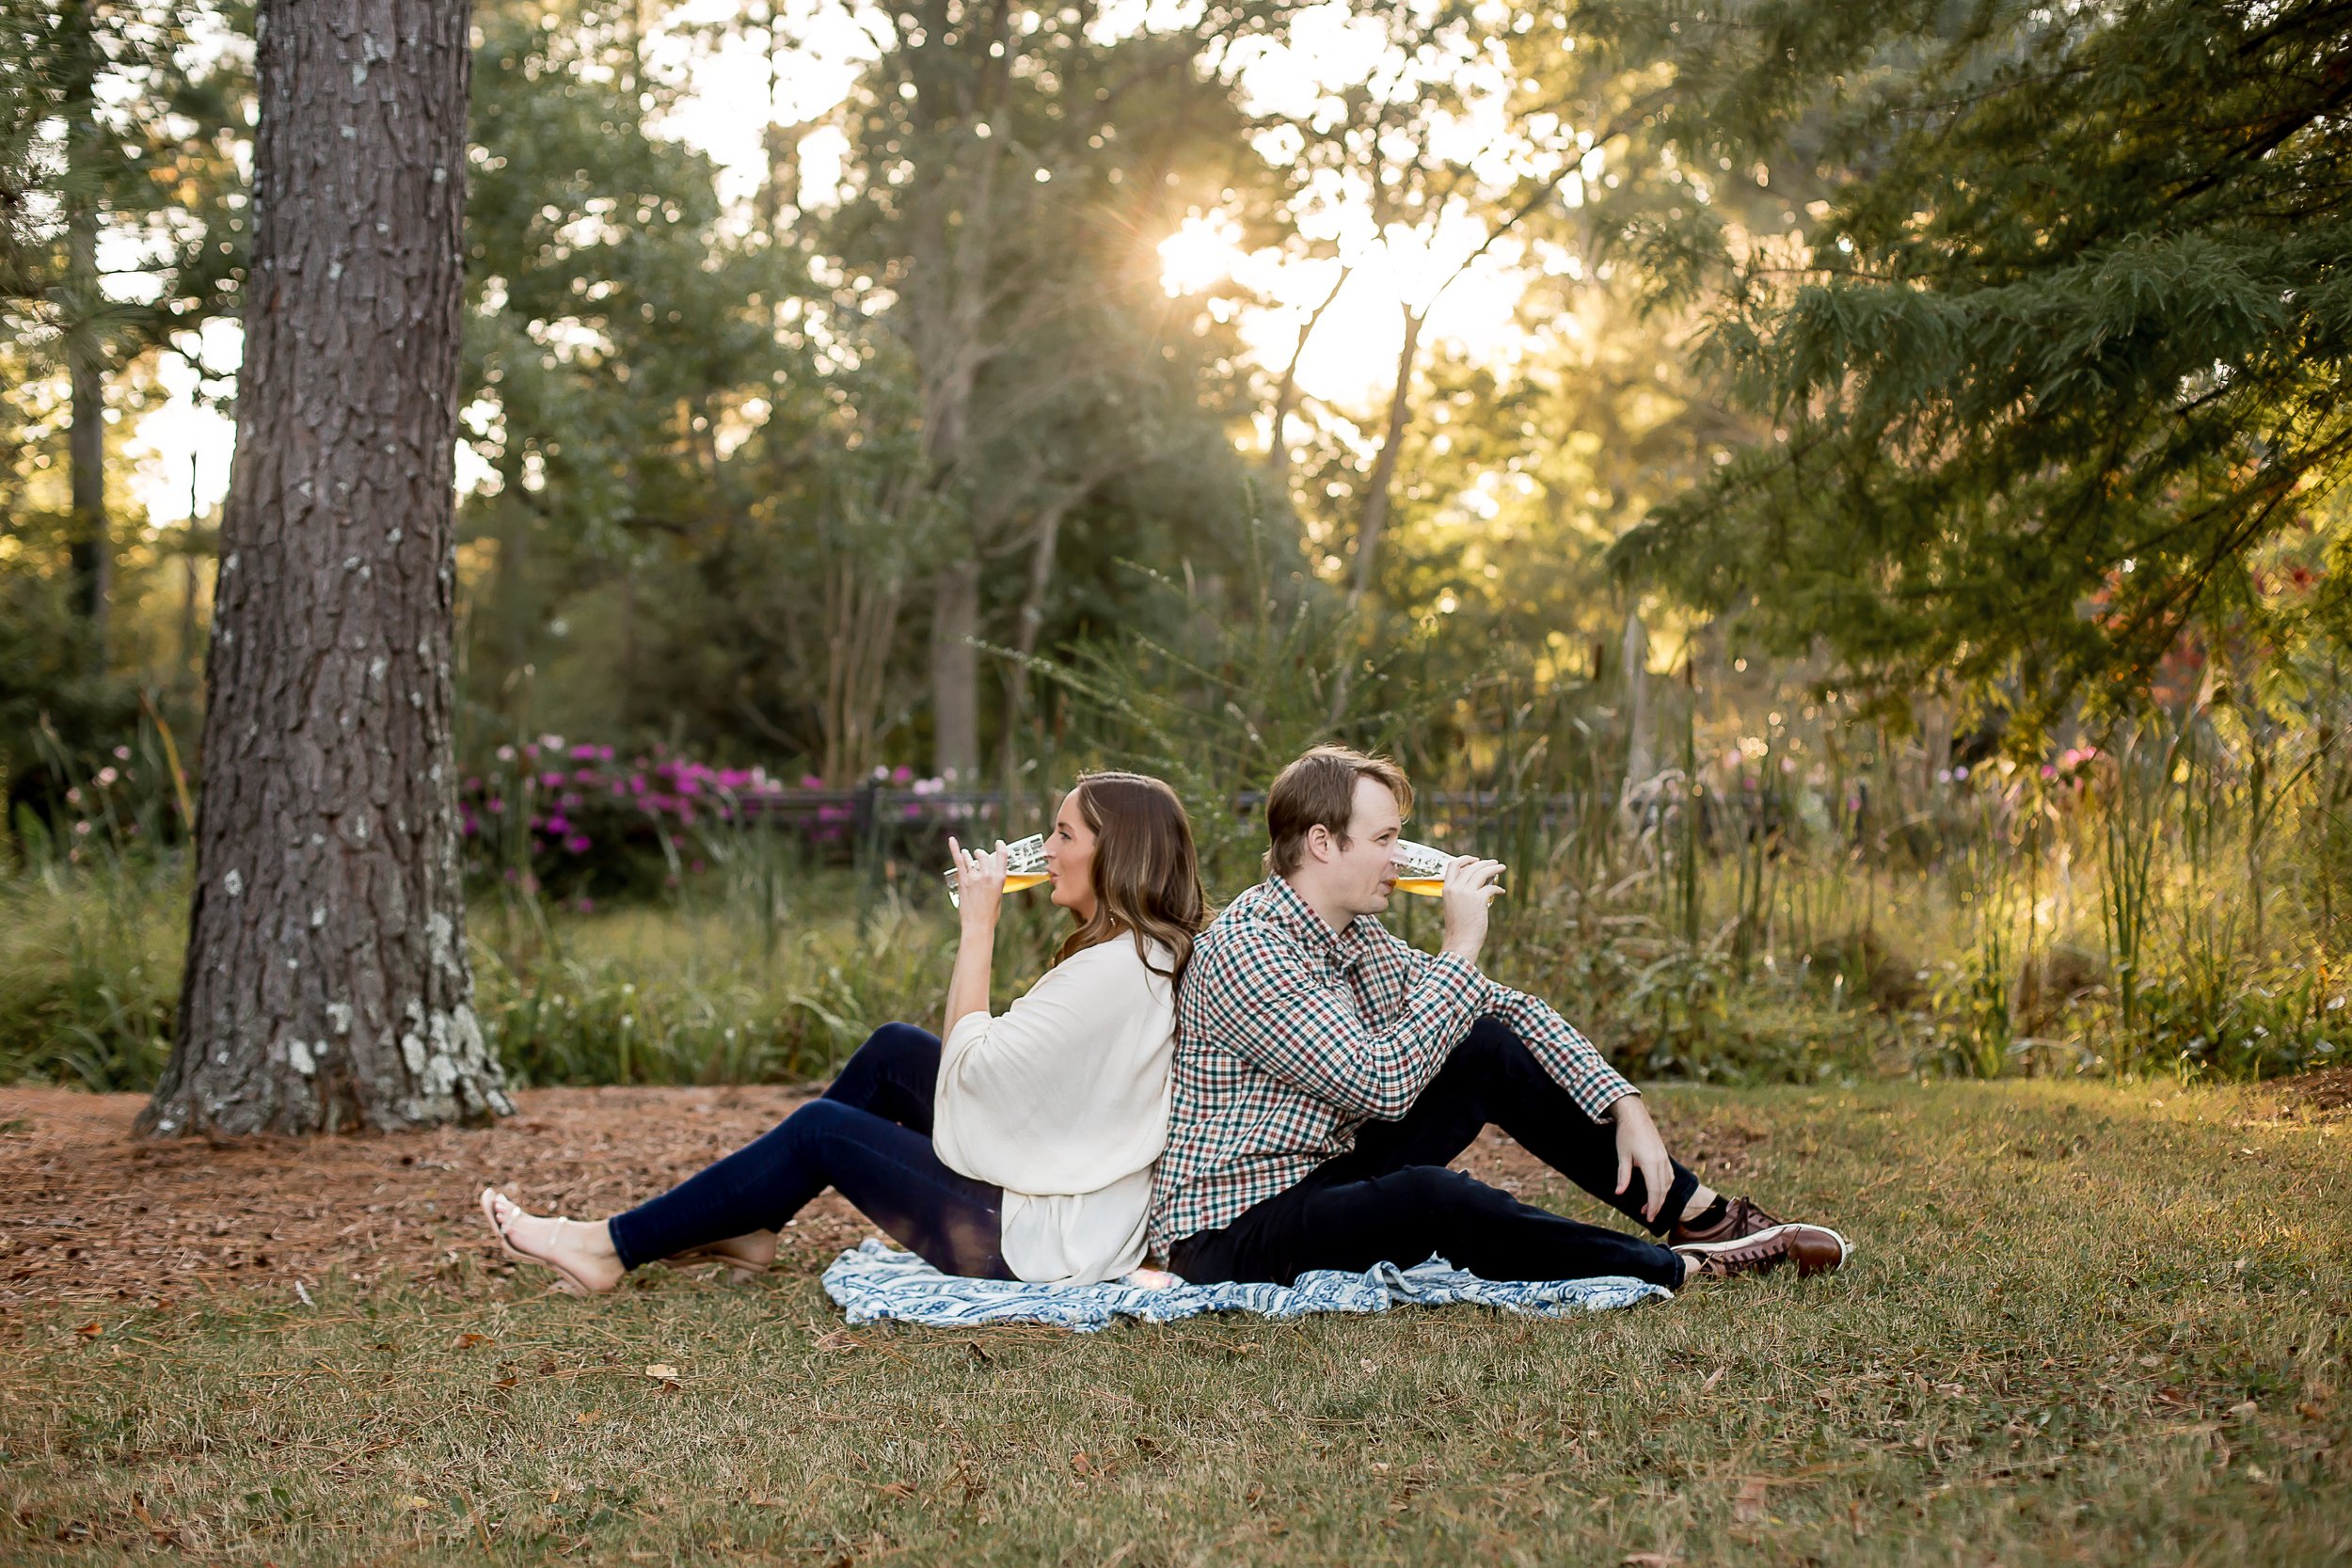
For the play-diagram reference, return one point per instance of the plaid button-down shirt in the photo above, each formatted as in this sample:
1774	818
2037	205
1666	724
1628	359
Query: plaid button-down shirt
1291	1036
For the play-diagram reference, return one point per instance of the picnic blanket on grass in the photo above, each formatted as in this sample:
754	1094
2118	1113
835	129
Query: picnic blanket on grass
875	1283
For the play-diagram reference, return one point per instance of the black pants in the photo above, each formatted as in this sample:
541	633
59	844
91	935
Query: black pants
870	1137
1392	1199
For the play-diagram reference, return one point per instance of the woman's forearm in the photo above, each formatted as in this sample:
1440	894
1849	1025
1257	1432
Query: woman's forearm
967	987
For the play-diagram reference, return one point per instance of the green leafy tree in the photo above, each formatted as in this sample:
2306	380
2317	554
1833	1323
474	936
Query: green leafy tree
121	222
2056	353
1010	173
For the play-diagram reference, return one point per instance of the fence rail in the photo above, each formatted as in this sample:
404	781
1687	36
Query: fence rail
873	814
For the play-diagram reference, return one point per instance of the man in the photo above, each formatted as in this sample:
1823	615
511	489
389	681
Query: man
1327	1072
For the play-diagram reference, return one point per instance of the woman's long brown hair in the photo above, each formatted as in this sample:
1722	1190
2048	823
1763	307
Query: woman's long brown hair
1146	876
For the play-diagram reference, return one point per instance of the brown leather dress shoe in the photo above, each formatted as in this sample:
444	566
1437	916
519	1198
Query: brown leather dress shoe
1814	1248
1739	1218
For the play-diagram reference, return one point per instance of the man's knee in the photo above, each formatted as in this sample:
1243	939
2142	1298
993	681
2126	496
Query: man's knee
1493	1047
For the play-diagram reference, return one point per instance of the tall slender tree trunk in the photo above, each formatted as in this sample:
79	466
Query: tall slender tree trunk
327	984
1044	550
1278	451
956	669
1372	520
86	454
93	551
1641	762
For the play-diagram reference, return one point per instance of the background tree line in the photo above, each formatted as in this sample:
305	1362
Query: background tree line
763	480
1889	389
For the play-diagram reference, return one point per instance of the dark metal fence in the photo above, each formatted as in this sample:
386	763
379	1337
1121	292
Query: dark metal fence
878	821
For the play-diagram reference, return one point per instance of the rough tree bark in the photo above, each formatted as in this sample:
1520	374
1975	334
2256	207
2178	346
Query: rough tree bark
327	983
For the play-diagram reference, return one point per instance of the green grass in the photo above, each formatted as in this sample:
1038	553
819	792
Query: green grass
2087	1323
690	992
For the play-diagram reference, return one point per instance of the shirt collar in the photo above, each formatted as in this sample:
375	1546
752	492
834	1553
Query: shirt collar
1295	915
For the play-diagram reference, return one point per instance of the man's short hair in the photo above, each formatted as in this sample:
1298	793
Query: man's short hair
1318	791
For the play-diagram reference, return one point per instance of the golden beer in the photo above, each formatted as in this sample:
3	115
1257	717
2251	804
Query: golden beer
1024	868
1420	869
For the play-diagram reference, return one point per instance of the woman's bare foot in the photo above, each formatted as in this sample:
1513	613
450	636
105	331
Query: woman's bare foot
746	1256
581	1253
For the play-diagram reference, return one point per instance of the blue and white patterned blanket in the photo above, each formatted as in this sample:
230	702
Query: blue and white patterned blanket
876	1283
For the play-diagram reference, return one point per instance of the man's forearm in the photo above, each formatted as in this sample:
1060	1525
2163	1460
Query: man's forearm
1573	1061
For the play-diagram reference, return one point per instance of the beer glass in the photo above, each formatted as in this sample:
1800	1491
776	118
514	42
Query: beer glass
1420	869
1024	868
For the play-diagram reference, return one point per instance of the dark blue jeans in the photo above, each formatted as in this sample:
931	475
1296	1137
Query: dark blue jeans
1390	1200
869	1138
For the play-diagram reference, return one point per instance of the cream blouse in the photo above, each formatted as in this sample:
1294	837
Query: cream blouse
1062	1101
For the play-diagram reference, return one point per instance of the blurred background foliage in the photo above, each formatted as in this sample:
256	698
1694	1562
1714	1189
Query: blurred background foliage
1879	584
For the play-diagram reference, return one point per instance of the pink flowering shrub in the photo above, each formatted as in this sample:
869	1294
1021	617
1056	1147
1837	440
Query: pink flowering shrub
581	813
578	817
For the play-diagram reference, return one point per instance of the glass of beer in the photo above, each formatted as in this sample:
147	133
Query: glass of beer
1420	869
1024	868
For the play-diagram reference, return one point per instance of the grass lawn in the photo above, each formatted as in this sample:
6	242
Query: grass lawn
2085	1323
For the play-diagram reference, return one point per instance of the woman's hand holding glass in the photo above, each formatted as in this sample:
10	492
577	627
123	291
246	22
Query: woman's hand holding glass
980	881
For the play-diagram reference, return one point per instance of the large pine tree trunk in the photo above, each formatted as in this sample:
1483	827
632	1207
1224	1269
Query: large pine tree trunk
327	984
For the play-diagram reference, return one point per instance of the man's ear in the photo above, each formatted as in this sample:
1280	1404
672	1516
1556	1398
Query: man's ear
1320	843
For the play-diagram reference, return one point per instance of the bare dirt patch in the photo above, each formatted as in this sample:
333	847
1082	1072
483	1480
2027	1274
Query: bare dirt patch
2325	1093
88	1212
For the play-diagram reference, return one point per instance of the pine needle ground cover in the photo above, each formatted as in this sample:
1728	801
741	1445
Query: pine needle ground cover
2087	1323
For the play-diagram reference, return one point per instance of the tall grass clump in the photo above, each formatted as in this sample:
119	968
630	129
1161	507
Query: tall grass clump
94	895
1726	872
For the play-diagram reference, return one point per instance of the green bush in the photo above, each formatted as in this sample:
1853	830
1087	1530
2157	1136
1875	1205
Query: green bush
89	975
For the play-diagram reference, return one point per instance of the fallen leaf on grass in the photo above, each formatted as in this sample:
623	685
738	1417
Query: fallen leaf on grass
467	1341
661	1371
1752	1501
413	1502
840	1340
587	1417
89	1331
1647	1560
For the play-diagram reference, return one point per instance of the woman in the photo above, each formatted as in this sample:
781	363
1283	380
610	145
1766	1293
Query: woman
1020	1150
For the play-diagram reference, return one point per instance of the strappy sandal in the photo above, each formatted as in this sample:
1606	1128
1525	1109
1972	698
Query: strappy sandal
566	1281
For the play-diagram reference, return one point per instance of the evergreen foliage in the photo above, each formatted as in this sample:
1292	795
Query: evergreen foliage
2057	358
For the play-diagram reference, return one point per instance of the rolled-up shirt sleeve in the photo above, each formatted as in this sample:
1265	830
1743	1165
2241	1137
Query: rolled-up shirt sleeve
1574	1062
1304	1028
